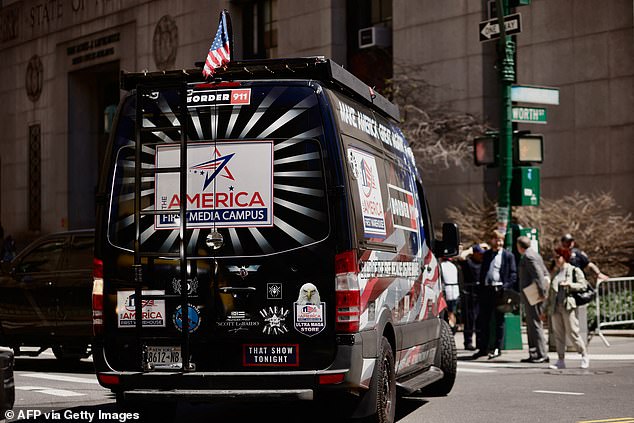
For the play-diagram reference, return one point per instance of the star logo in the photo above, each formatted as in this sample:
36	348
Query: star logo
213	167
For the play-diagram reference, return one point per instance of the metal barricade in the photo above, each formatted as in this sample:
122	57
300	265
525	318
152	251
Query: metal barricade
614	304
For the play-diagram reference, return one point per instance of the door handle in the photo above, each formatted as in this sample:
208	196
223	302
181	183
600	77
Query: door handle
237	289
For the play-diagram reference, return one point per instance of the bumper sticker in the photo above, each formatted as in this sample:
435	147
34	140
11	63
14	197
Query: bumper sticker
270	355
153	311
237	321
193	313
310	311
273	291
274	320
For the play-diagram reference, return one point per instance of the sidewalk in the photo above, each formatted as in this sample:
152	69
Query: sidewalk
621	348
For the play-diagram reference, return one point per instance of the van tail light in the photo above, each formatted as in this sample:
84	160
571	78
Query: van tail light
97	297
331	379
108	380
348	297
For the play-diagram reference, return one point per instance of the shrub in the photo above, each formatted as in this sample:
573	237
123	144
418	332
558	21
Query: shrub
599	225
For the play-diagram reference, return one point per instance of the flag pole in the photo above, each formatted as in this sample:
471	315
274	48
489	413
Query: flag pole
230	32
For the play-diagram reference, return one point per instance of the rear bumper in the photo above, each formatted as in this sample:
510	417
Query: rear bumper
205	395
350	371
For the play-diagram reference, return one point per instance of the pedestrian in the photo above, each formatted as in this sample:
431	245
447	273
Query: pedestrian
452	290
531	269
498	273
470	270
580	259
8	249
561	306
1	241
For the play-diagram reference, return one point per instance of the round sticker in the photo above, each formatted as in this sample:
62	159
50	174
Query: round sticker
192	313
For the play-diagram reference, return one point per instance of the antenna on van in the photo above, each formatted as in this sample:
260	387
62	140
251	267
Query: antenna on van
372	93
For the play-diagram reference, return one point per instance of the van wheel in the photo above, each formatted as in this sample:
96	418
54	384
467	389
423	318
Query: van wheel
446	360
67	353
384	386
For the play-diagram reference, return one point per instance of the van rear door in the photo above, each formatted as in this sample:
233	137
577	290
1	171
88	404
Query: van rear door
259	241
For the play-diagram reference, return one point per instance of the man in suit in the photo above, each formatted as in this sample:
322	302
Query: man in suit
498	273
470	266
532	269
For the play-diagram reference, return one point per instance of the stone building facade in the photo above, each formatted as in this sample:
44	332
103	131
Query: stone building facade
61	59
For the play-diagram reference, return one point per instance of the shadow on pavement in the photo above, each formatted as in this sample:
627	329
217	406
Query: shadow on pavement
40	364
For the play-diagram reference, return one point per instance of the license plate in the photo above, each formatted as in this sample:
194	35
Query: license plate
161	357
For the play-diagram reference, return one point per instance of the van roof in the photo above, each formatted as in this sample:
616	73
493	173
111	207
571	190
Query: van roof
317	68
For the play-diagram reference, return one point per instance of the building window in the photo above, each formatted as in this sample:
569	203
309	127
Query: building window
260	29
373	65
35	177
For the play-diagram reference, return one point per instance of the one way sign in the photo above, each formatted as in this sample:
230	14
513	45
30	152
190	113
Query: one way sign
490	30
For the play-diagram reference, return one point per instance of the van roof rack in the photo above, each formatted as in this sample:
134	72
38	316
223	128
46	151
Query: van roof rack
316	67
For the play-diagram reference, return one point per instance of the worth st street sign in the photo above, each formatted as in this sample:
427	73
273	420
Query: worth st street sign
490	30
529	114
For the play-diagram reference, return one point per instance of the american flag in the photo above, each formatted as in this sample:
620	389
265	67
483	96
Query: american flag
219	53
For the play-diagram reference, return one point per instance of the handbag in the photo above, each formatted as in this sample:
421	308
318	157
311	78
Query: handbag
585	296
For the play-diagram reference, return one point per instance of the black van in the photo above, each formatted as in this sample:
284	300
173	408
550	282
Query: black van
265	235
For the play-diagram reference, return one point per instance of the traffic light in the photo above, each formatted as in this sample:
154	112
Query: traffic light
528	148
485	150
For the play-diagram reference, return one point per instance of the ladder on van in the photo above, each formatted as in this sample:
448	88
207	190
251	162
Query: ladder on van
148	95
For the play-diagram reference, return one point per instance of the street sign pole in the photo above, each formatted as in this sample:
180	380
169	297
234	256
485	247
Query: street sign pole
506	53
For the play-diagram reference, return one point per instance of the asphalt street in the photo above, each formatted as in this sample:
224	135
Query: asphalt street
498	390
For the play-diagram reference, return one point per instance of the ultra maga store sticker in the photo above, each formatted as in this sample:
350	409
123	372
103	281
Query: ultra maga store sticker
153	311
229	185
366	173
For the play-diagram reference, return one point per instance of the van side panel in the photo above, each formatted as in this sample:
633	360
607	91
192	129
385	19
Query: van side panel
398	272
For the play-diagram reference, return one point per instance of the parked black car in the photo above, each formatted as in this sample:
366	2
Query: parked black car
7	388
46	296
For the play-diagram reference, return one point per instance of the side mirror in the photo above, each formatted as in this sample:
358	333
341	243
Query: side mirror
450	243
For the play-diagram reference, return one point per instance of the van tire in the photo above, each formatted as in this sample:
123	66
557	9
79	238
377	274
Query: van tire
446	360
383	386
67	353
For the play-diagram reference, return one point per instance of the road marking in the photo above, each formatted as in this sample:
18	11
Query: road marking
559	392
463	370
497	365
614	420
61	378
610	357
49	391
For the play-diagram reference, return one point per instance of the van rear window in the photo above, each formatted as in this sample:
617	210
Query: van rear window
255	174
